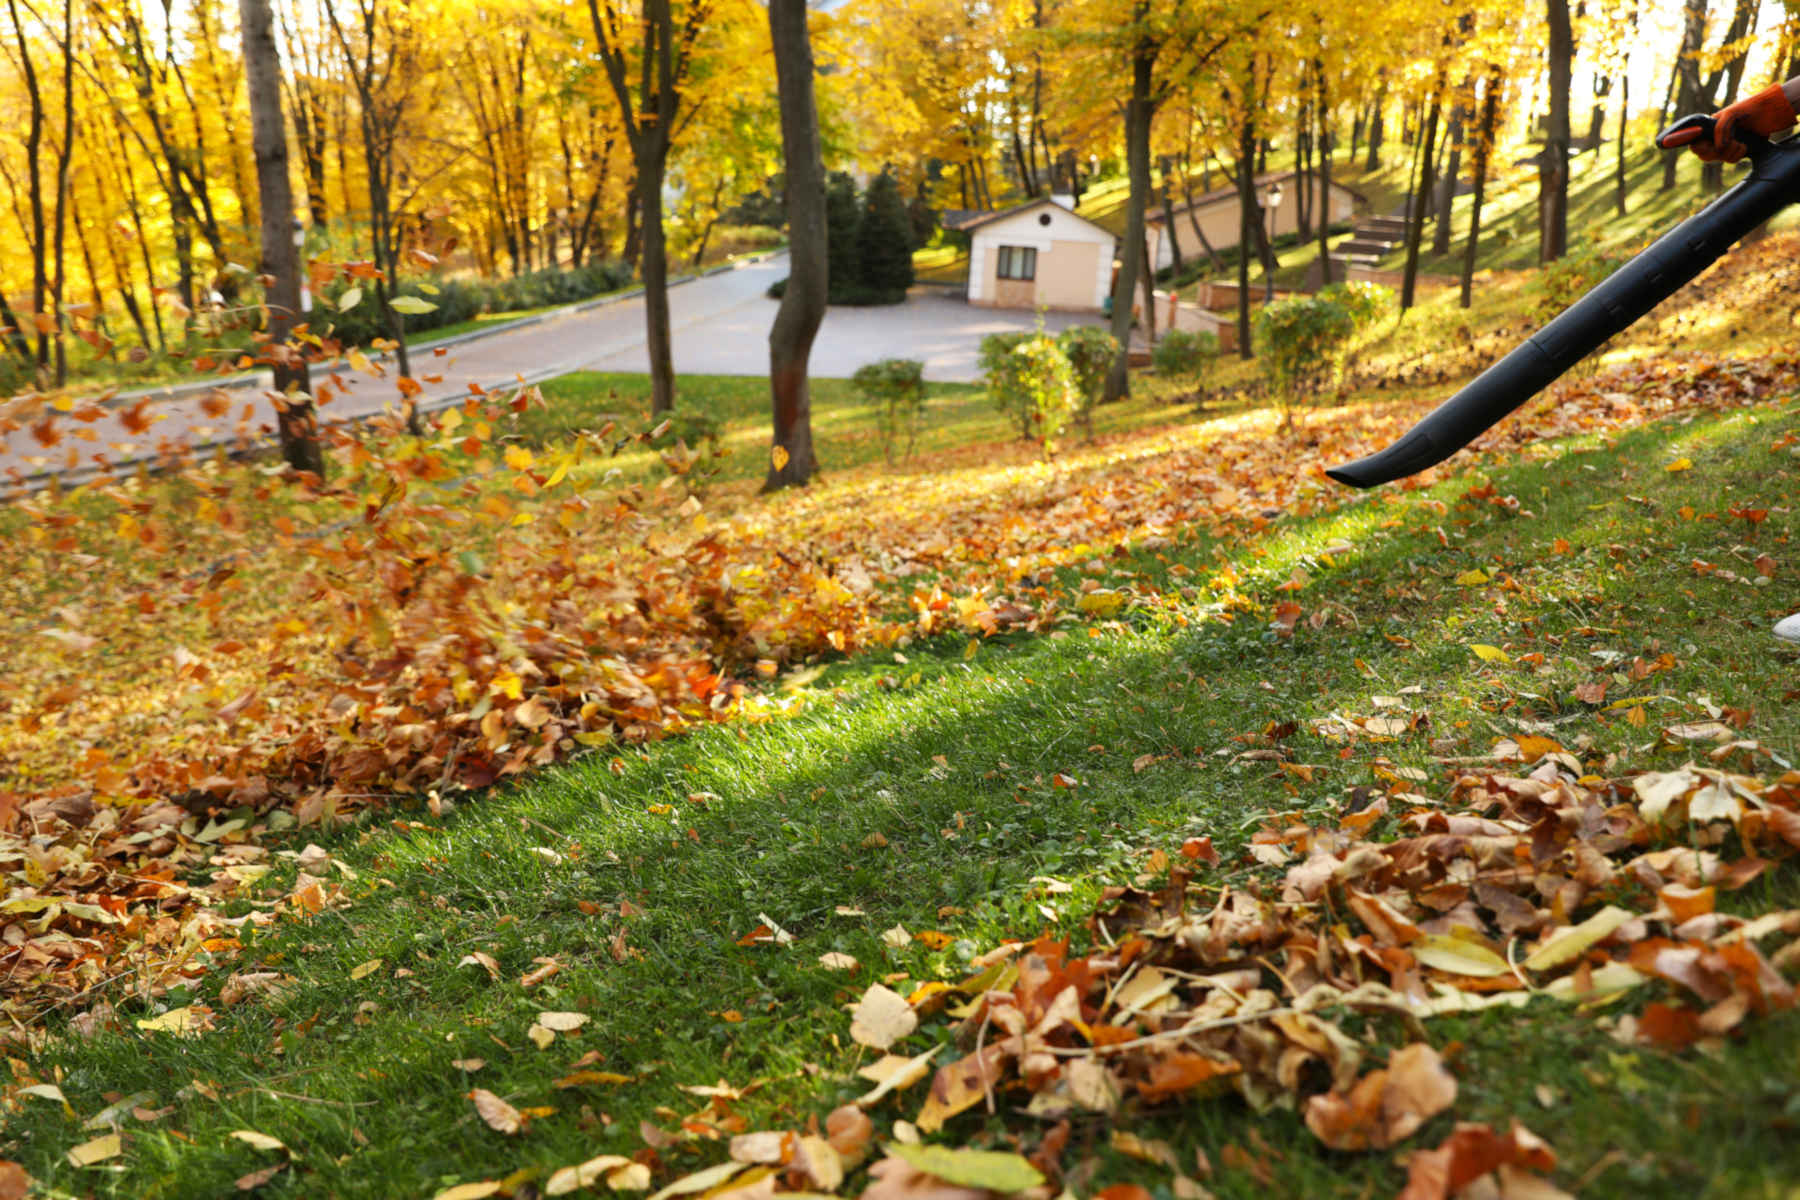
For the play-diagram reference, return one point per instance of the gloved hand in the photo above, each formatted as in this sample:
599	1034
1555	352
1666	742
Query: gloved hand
1768	112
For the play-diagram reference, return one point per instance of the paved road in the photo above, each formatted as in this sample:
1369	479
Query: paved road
720	326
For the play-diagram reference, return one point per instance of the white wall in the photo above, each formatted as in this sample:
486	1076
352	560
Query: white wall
1025	229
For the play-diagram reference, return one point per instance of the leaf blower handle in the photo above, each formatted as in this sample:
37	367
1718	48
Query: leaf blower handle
1735	130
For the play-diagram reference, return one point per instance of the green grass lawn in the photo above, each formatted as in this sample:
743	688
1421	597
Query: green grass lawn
637	871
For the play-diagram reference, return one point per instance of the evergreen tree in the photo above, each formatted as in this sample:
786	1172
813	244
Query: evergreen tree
884	244
843	220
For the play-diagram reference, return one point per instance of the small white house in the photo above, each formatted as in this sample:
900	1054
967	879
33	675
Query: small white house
1039	255
1216	212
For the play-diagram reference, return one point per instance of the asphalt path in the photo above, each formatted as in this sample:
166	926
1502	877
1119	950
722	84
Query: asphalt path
719	326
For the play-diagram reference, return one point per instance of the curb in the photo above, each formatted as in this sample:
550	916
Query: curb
264	379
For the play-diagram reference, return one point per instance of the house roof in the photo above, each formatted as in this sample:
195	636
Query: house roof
976	220
1206	199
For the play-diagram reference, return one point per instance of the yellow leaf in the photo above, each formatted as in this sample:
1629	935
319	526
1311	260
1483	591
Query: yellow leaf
1490	653
1472	578
1532	748
563	1022
563	463
181	1021
1574	941
570	1179
1103	603
778	457
1459	956
364	970
261	1141
1680	464
972	649
540	1037
360	362
481	1189
99	1150
518	458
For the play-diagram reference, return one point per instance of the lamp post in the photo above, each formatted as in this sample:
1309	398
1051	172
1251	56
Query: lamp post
1271	209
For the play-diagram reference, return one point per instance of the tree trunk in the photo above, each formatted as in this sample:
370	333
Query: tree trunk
803	302
1139	111
1149	294
1249	215
1415	229
280	257
1624	116
1553	168
1374	159
633	250
1446	189
1168	207
655	273
65	151
1685	80
34	140
1484	148
1187	193
1325	149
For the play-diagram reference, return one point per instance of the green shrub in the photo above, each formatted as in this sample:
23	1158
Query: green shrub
459	300
1091	351
897	387
1305	339
1182	354
1029	378
843	217
1573	276
1366	302
997	366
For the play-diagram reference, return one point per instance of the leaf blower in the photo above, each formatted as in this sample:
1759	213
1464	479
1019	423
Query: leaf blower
1630	292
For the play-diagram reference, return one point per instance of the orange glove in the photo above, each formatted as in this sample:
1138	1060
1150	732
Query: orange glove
1768	112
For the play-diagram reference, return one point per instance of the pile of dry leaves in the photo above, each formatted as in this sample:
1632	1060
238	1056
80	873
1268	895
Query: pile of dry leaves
1280	989
452	612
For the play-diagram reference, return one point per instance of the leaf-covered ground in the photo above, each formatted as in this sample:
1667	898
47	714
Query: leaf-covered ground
1174	644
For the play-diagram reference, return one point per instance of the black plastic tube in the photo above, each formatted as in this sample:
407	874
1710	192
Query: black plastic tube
1630	292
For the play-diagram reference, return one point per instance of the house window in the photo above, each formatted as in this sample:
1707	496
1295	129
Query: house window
1018	262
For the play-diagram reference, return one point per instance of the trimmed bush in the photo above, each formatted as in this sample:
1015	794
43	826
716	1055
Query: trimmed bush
1029	379
1182	354
1091	351
897	387
1304	339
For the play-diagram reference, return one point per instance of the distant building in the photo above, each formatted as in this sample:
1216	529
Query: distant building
1037	255
1217	212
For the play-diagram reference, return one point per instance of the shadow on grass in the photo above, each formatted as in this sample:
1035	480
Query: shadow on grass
951	762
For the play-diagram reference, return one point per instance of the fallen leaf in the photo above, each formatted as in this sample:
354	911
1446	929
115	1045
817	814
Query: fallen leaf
106	1146
260	1141
882	1017
991	1170
563	1022
584	1175
835	961
500	1116
255	1179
